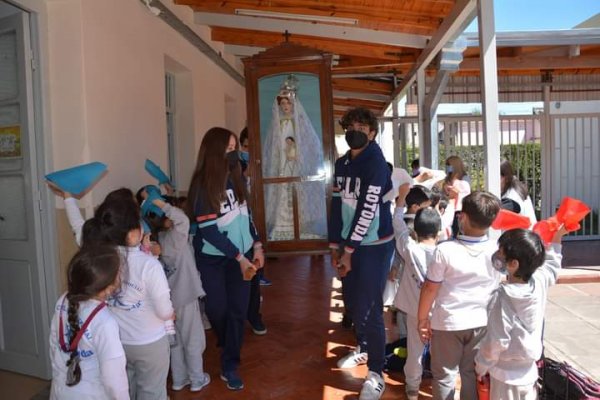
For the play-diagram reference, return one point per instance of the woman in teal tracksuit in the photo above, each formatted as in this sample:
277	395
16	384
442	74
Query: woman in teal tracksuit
226	245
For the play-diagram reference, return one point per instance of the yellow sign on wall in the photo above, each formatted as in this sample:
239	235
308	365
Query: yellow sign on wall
10	141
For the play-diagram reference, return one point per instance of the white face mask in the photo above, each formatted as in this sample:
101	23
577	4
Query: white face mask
139	239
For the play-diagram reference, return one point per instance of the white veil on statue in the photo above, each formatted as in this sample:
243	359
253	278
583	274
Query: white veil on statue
293	148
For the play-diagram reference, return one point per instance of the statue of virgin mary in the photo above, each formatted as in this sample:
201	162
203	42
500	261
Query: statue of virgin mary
292	148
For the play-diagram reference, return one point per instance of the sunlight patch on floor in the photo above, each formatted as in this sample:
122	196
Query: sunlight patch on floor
330	392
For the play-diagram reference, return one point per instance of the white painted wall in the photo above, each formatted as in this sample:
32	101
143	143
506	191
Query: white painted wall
574	107
106	63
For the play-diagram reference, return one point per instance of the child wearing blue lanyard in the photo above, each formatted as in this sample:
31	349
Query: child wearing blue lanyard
457	290
227	248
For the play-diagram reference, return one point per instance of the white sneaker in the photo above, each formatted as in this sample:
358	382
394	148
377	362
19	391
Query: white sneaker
178	386
353	358
373	387
412	393
197	386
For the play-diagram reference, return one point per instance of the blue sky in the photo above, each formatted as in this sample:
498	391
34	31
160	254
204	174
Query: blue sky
528	15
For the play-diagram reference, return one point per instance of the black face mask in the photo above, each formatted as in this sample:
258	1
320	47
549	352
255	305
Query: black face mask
356	139
233	158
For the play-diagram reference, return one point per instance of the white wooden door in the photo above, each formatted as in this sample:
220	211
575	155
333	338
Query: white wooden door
23	307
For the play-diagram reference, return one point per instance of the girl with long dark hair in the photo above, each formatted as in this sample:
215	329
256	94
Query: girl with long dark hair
88	361
516	190
225	244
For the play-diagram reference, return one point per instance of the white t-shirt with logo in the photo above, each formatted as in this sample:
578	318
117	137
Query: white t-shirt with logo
143	293
102	364
464	269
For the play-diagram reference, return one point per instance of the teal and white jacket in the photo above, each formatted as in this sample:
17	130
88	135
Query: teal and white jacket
230	232
359	214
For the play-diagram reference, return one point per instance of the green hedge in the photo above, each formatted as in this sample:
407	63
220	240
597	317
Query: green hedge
525	158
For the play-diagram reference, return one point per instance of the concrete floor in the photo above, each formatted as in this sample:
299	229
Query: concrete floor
572	326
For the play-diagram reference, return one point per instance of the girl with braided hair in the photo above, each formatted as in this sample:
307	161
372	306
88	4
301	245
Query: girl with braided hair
88	360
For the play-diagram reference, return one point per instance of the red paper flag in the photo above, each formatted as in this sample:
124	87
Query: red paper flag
506	220
483	388
571	212
546	229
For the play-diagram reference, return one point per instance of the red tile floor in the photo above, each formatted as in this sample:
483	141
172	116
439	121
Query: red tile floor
296	359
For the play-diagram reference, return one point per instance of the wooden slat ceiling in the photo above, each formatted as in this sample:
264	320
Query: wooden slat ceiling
364	70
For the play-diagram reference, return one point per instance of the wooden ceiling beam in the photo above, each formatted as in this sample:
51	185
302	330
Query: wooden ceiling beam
362	85
346	61
428	16
365	71
375	67
346	102
242	37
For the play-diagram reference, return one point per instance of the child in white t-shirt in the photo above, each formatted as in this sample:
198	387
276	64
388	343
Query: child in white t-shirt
460	282
513	342
88	361
142	304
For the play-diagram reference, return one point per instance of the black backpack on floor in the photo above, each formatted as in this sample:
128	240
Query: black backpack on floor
396	363
560	381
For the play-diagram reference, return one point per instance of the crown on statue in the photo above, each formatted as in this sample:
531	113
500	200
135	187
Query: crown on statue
289	87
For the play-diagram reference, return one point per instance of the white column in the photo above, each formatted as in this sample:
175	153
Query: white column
546	145
396	134
489	94
421	112
436	91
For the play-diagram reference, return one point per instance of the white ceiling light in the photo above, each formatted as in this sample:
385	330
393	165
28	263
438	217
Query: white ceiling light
300	17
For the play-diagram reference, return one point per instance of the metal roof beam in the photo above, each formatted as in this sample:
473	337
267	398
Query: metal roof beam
453	25
540	38
308	28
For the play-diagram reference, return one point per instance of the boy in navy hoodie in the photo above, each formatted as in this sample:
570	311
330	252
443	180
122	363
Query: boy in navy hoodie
361	241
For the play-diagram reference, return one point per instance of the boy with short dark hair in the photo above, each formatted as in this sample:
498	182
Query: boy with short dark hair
460	281
361	240
418	197
513	342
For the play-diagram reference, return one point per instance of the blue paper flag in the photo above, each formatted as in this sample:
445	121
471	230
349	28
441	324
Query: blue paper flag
77	180
147	205
157	173
145	227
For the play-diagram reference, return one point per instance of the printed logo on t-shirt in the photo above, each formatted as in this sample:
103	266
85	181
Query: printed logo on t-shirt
118	299
349	191
231	203
69	334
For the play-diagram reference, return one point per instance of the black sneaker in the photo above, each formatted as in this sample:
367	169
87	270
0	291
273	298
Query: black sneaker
259	328
265	282
233	380
347	322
